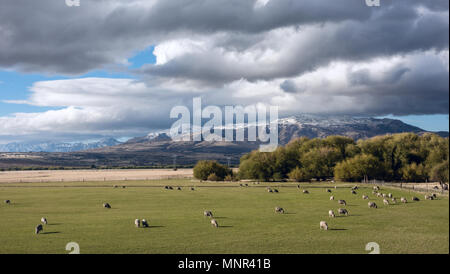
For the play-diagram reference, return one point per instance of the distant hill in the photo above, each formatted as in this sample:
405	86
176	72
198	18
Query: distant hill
57	147
158	149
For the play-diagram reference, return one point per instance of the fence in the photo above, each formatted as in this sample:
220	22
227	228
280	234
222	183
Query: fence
418	187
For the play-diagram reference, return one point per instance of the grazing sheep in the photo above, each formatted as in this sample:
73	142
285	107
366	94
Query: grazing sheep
298	186
331	214
386	202
372	205
435	187
106	205
214	223
192	189
353	192
279	210
305	191
379	195
332	198
240	185
124	186
403	200
269	190
8	202
171	188
376	188
428	197
434	195
115	186
343	211
38	229
414	198
355	188
44	220
390	195
137	223
207	213
275	190
384	195
394	200
374	192
365	197
328	190
246	185
342	202
178	188
323	225
335	187
144	223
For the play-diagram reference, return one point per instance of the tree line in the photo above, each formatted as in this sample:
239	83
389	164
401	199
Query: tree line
398	157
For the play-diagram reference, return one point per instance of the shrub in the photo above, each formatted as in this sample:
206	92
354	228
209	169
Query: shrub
213	177
203	169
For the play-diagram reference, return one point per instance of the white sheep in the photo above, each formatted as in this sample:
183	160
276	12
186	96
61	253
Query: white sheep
365	197
214	223
390	195
342	202
343	211
44	220
305	191
279	210
323	225
331	198
144	223
137	223
386	202
331	214
372	205
106	205
403	200
207	213
38	229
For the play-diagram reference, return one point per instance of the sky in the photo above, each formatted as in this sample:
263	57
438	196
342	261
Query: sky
117	68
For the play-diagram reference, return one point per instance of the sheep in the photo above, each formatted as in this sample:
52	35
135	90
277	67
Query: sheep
355	188
44	220
343	211
38	229
269	190
192	188
208	213
414	198
298	186
353	192
178	188
332	198
372	205
365	197
279	210
386	202
246	185
428	197
342	202
376	188
331	214
171	188
8	202
115	186
305	191
137	223
214	223
335	187
403	200
144	223
384	195
434	195
374	192
166	187
390	195
240	185
275	190
394	200
124	186
328	190
323	225
379	195
106	205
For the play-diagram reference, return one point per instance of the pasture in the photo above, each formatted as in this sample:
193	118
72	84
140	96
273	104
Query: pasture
246	217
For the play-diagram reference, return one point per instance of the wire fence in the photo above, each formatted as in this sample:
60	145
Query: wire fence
431	187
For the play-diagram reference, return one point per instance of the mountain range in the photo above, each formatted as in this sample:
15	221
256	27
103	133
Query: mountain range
57	147
158	149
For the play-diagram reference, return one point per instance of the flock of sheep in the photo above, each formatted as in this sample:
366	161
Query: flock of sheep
342	211
322	225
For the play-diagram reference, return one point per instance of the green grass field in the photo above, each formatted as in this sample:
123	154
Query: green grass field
246	217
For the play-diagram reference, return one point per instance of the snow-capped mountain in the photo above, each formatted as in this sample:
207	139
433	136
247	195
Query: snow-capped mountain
57	147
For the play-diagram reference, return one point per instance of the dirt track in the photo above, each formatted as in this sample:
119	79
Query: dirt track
92	175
